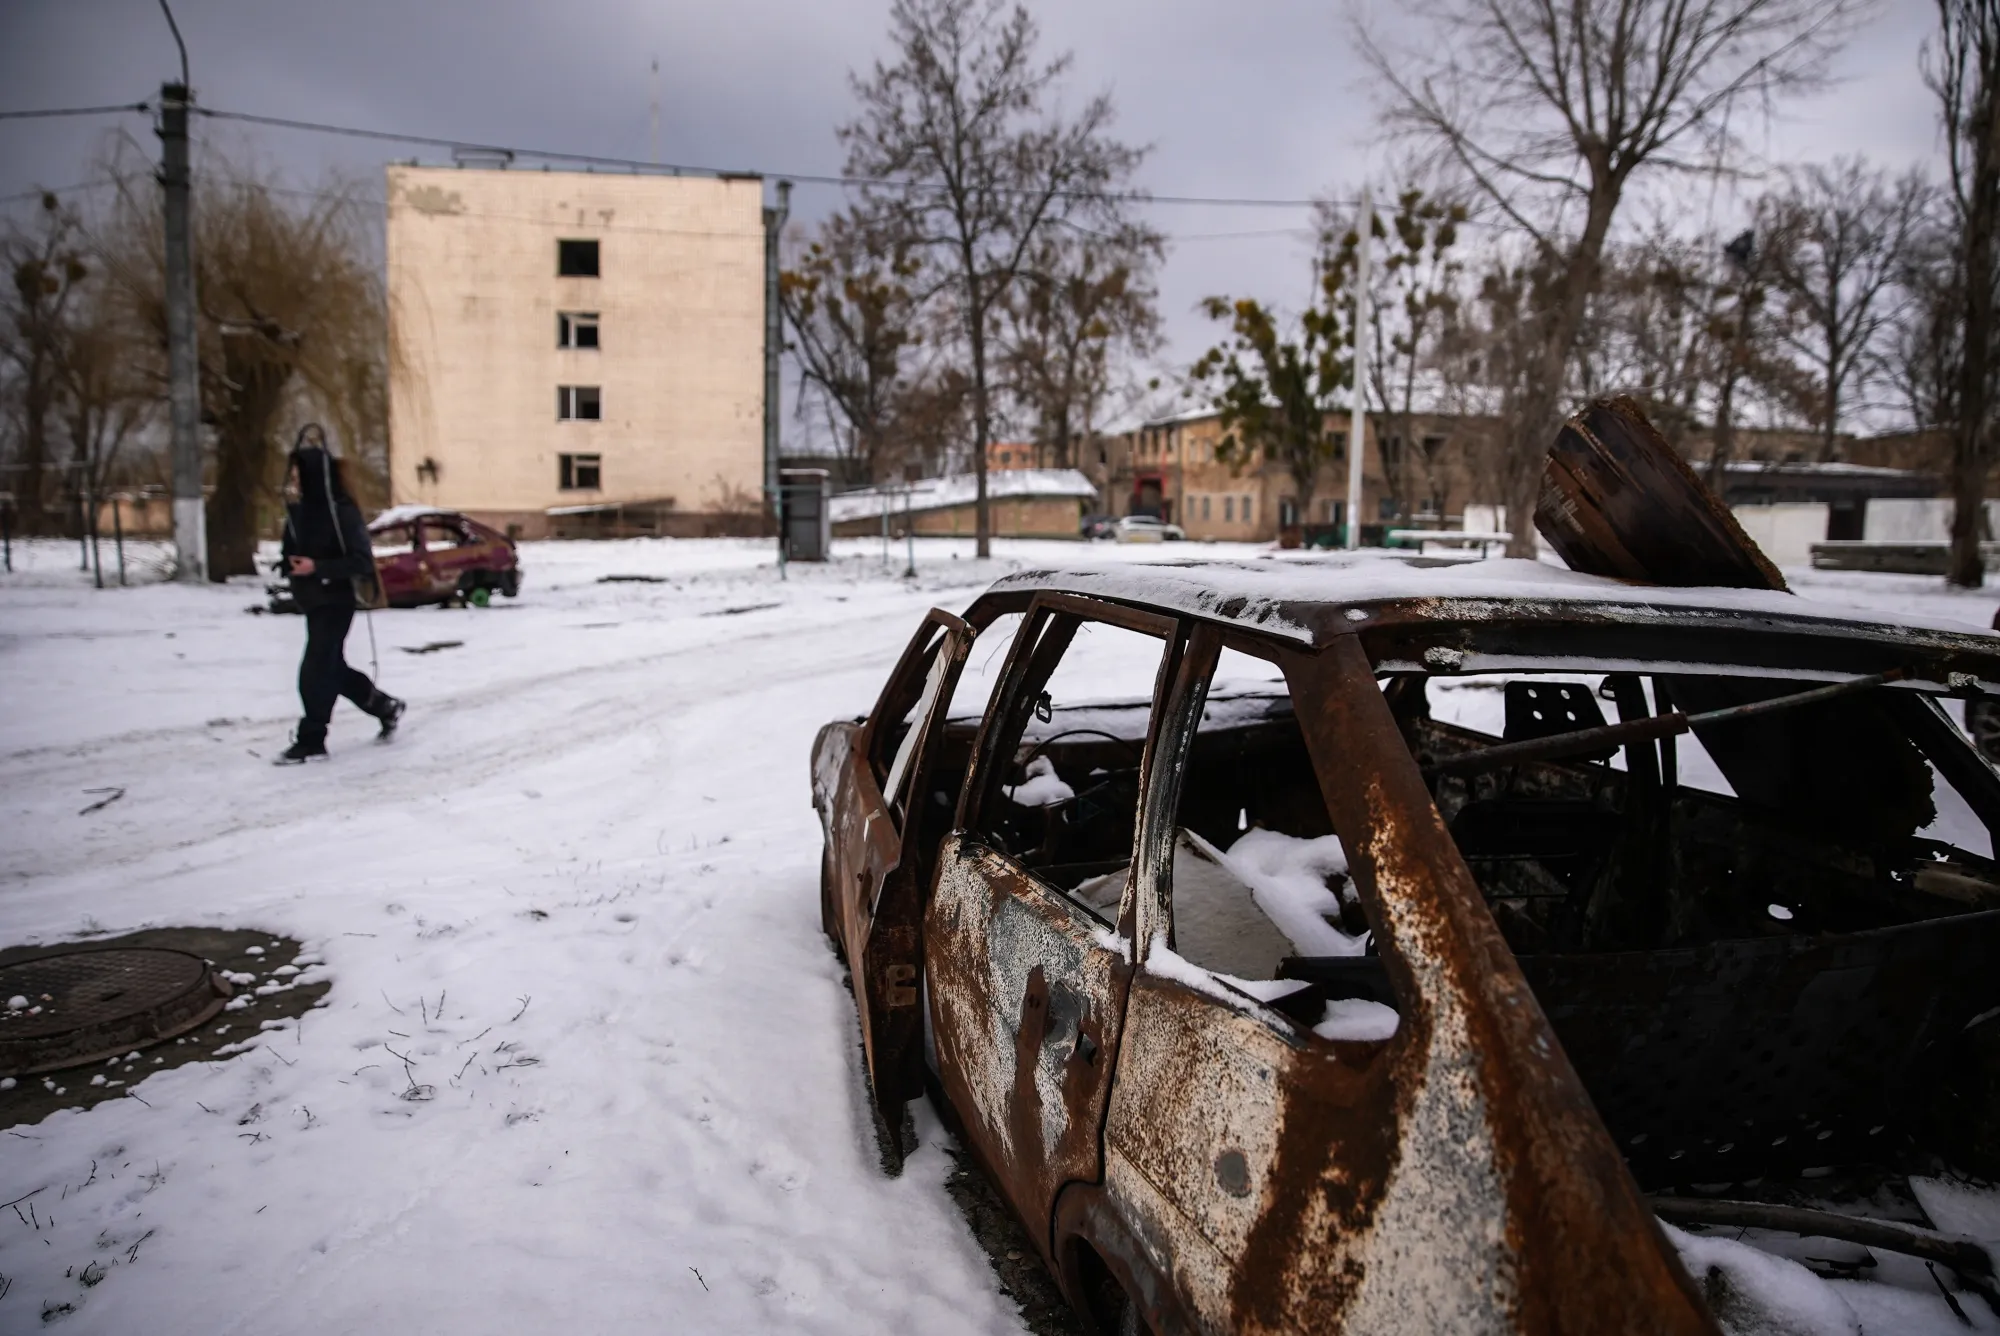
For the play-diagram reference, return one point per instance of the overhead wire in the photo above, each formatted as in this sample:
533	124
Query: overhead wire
48	112
642	166
639	165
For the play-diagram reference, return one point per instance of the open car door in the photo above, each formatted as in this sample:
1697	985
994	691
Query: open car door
878	874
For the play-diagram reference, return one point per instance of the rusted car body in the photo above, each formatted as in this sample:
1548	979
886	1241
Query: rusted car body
437	556
1605	981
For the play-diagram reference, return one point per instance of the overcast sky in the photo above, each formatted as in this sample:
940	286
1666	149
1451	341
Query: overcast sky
1260	98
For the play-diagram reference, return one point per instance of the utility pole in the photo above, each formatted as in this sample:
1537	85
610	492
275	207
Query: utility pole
1357	416
183	353
653	115
774	343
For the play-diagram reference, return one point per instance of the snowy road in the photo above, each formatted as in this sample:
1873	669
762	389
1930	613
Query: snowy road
586	1063
599	804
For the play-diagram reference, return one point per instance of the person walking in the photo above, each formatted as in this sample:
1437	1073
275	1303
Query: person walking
331	566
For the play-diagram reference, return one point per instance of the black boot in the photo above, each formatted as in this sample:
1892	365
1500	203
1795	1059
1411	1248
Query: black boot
308	744
388	710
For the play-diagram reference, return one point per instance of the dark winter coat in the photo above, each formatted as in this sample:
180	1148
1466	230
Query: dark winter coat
326	525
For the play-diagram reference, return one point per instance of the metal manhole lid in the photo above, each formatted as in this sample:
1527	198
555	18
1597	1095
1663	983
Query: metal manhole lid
84	1003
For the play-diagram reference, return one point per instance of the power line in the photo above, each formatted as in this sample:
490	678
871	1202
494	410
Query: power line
40	191
676	169
45	113
640	166
470	146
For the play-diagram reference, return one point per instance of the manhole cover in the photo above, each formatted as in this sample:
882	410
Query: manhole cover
81	1006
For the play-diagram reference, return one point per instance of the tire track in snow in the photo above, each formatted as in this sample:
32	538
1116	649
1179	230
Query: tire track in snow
411	769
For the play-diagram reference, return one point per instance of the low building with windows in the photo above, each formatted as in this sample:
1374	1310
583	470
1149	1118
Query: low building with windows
576	352
1168	467
1021	503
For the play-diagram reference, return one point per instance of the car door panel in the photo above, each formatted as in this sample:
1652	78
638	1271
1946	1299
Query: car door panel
396	564
1027	997
1027	987
444	555
877	871
1451	1178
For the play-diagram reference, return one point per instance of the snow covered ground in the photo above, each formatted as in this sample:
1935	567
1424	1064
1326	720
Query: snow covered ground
587	1063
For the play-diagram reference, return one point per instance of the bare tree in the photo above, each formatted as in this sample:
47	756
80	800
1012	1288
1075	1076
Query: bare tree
293	323
1488	351
1414	290
1839	236
1273	388
1550	110
958	130
47	267
1741	334
1084	306
1963	70
851	308
107	398
1926	344
1660	295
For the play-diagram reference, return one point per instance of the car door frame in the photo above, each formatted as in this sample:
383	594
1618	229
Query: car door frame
442	567
1026	1064
399	571
875	874
1259	1177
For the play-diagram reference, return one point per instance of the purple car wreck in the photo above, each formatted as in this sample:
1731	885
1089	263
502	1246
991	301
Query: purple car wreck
1390	945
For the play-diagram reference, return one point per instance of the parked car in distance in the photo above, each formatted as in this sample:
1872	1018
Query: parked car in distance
1145	529
1096	526
440	556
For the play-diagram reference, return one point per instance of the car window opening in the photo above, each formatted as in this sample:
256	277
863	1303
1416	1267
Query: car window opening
392	541
1261	896
1761	942
1067	801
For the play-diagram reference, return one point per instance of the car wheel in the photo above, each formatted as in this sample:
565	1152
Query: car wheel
1112	1311
510	582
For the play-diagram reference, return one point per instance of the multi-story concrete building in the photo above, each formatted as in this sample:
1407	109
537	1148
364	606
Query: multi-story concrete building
572	346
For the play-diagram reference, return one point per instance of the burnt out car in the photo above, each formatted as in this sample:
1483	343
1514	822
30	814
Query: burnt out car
1368	945
440	556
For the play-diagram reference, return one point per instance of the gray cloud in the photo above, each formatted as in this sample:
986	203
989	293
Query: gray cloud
1265	99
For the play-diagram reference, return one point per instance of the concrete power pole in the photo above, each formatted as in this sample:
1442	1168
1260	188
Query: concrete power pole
1357	417
183	365
774	343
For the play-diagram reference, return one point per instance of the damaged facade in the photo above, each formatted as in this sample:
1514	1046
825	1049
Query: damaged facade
576	353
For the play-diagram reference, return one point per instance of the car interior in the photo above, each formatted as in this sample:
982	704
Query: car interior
1765	943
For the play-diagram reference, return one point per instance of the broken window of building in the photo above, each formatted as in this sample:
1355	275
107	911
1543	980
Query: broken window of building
579	403
576	259
581	473
576	329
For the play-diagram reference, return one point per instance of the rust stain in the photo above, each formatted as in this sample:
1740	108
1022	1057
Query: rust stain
1618	500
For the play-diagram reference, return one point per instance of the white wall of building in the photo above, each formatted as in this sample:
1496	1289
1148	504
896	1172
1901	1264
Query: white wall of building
1785	530
474	298
1917	520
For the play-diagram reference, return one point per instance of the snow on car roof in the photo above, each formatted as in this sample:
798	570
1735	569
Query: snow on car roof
404	514
1307	598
